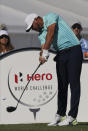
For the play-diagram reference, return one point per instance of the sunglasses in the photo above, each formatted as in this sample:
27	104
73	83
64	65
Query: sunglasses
77	26
3	36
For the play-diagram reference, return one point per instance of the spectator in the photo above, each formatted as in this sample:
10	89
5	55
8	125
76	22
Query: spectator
77	29
5	44
3	27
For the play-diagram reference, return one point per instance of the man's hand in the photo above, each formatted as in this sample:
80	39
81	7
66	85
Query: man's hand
42	60
44	54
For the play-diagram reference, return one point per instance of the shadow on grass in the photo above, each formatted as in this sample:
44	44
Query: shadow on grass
83	123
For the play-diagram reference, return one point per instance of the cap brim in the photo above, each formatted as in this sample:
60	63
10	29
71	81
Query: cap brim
28	28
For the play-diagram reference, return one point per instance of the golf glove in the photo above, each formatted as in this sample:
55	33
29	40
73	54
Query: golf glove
45	54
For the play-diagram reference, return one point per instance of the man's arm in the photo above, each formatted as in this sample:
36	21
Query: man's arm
49	38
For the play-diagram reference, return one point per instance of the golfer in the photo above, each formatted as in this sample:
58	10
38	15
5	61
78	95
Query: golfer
53	31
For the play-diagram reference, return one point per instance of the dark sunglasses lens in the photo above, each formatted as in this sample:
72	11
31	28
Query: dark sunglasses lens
76	26
3	36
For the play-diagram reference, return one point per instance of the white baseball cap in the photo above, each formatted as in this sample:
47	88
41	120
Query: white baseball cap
3	32
29	20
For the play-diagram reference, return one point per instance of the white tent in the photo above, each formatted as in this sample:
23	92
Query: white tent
13	12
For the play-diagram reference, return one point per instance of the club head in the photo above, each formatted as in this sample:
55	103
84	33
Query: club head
11	109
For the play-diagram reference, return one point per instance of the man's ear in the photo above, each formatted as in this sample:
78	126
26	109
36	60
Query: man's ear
36	19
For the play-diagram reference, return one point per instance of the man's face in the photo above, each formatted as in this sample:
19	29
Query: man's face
77	31
36	25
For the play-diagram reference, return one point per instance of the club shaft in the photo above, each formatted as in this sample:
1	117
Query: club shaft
28	83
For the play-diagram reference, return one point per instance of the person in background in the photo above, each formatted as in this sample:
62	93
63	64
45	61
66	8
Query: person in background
5	44
3	27
77	29
53	31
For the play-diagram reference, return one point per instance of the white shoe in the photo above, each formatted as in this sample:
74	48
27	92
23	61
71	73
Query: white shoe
58	118
68	121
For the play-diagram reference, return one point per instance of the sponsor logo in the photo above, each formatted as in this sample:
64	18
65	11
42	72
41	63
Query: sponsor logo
41	89
36	77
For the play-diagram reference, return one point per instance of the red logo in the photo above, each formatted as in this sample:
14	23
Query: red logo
36	77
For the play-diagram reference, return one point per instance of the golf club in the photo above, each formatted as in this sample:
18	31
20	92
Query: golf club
11	108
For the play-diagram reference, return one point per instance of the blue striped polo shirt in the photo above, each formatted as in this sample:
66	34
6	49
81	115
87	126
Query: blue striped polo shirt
63	36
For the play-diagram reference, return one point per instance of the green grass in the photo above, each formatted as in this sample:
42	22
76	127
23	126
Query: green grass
43	127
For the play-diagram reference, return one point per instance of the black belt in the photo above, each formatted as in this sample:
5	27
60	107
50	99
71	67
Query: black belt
67	49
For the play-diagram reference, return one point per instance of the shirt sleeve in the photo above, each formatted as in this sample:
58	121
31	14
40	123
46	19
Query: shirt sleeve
51	19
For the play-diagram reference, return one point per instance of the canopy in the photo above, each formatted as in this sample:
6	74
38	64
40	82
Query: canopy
13	12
